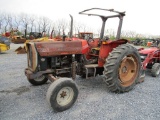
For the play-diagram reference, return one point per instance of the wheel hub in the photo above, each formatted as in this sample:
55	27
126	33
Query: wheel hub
124	69
128	70
65	96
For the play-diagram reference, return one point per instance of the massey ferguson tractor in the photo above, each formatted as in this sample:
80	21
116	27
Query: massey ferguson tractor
61	61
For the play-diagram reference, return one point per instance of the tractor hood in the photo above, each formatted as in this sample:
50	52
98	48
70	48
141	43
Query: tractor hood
54	48
148	50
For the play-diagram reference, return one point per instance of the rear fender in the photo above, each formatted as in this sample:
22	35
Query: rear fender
107	47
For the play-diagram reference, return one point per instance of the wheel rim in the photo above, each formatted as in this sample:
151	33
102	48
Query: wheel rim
65	96
128	70
40	78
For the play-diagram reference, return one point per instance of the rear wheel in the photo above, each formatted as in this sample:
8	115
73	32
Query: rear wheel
155	71
38	81
122	68
62	94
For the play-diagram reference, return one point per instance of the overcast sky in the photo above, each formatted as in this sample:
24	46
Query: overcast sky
142	16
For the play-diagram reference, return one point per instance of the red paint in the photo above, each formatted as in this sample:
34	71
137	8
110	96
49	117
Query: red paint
53	48
106	48
85	47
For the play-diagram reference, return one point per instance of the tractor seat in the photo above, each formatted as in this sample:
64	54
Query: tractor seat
94	51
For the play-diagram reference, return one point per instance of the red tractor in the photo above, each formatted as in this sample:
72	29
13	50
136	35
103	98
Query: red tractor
61	61
150	58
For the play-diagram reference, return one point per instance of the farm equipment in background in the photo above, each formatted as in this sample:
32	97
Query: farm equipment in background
145	42
137	42
153	42
150	58
22	50
61	61
15	38
149	42
18	39
84	35
33	36
4	44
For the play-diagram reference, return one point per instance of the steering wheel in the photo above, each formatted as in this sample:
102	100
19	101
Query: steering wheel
90	39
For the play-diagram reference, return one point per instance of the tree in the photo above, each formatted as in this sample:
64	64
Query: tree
83	26
6	21
77	27
25	21
10	21
39	24
32	20
17	21
45	23
1	21
61	26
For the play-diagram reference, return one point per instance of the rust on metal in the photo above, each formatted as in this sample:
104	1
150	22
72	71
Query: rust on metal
59	48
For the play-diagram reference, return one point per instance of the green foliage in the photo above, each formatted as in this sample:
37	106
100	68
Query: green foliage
19	33
112	37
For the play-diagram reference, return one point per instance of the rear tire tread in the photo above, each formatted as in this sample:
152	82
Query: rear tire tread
110	75
154	69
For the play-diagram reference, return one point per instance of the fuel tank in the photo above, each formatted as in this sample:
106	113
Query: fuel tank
54	48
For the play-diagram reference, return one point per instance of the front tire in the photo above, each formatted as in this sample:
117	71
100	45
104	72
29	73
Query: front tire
62	94
122	68
38	81
155	71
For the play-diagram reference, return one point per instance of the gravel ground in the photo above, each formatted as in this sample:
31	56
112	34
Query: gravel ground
19	100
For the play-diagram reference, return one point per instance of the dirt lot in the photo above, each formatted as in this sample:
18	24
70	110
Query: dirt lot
19	100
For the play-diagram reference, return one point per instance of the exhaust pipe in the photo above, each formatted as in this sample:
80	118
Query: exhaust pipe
71	29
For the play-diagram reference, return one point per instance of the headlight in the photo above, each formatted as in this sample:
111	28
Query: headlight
142	57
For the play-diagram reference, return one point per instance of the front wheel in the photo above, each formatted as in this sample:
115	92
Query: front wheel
122	68
62	94
155	71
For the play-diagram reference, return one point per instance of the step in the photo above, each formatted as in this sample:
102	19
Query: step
91	66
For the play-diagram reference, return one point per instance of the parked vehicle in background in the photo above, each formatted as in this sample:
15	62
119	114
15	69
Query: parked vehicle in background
150	58
145	42
137	41
4	44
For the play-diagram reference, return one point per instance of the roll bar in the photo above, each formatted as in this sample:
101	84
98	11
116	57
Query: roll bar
104	18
